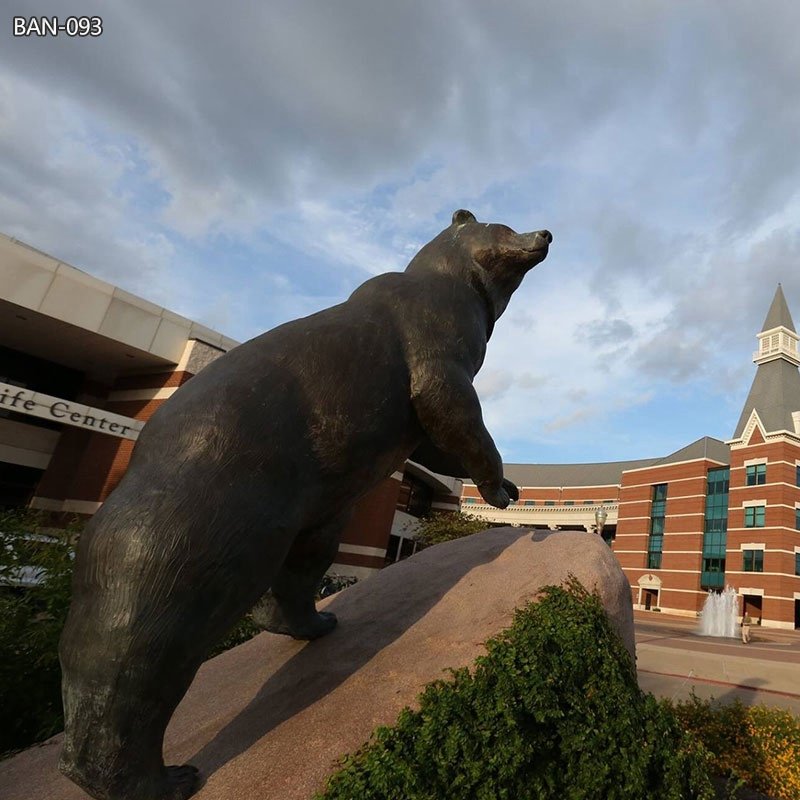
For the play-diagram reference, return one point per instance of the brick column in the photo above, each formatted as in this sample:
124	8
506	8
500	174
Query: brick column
366	537
86	466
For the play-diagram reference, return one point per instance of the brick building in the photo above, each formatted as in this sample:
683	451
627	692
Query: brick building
84	365
710	515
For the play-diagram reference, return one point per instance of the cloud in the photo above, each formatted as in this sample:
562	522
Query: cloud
568	420
247	168
604	332
491	384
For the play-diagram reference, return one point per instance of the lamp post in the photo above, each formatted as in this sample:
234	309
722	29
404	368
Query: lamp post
600	517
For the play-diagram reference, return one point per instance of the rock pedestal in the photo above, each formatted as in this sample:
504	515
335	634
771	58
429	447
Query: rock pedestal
270	718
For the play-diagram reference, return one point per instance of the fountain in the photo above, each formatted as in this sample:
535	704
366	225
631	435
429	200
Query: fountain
720	614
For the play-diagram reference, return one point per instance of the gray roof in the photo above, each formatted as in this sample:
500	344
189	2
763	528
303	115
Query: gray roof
778	313
707	447
605	474
609	473
775	394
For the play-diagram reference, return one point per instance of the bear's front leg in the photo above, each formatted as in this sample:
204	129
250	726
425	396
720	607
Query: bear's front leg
449	411
499	498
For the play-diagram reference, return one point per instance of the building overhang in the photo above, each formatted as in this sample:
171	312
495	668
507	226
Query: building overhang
439	483
71	345
56	312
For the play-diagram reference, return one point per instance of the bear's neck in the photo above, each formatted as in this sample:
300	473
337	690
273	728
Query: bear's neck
477	286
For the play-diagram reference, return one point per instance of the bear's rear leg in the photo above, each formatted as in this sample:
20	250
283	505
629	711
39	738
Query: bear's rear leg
115	722
289	606
165	783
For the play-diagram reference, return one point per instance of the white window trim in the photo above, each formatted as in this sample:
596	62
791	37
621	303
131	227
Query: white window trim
754	503
752	462
753	546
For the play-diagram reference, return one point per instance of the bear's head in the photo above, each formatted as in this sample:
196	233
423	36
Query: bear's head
492	258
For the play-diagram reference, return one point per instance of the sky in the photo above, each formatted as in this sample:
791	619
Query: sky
248	163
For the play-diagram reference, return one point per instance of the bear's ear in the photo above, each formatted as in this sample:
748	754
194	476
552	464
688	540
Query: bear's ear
462	215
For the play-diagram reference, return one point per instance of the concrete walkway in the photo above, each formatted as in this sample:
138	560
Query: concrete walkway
673	661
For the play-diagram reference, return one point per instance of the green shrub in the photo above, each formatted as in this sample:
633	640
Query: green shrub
552	711
448	525
332	583
757	745
244	630
31	619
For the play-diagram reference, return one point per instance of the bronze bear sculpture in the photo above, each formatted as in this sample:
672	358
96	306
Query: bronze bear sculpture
243	480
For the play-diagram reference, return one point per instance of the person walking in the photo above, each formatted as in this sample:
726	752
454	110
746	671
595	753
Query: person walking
746	629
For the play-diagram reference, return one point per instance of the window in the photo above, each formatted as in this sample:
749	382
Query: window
753	560
797	475
654	546
797	518
756	474
588	502
655	542
713	576
797	563
398	548
715	531
754	517
549	502
420	497
471	500
569	502
530	502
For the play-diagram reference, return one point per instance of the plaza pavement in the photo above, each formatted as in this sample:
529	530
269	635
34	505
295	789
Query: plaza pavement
673	661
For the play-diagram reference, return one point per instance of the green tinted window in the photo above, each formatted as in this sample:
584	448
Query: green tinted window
754	517
715	530
655	542
756	474
753	560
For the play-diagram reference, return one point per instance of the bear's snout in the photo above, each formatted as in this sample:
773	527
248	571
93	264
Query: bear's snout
546	235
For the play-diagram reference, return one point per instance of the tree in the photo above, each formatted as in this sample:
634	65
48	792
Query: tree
448	525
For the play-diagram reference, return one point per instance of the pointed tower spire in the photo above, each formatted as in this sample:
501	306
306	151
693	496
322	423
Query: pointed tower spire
778	314
778	338
775	393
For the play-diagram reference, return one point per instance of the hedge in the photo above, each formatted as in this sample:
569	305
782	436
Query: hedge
553	710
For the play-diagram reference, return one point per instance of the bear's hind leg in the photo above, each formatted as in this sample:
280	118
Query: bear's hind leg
164	783
113	740
289	607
